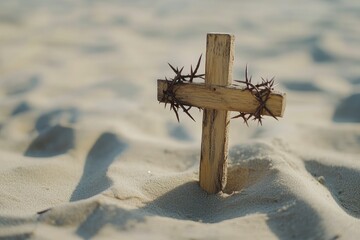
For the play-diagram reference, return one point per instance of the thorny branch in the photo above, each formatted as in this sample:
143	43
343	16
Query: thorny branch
261	91
170	92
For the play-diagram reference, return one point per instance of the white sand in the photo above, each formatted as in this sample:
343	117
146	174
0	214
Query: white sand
81	132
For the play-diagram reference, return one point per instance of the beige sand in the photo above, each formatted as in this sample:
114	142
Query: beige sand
86	151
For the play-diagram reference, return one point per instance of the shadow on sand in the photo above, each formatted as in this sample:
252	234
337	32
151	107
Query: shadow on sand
348	110
189	202
341	182
53	139
94	180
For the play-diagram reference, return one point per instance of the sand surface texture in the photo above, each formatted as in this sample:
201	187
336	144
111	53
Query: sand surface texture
86	151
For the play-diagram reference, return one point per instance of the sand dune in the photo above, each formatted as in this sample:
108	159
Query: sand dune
86	151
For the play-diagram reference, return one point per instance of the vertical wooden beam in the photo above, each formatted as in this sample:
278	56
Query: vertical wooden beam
214	145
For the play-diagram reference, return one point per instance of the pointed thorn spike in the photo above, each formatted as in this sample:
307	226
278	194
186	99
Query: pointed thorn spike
198	64
172	67
177	116
246	73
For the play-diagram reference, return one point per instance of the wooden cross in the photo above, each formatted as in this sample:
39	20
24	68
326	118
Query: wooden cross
217	97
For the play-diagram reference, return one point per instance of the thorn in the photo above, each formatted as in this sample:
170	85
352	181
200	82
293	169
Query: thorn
172	67
198	63
177	115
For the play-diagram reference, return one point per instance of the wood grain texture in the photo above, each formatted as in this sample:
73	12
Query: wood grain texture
214	144
229	98
217	97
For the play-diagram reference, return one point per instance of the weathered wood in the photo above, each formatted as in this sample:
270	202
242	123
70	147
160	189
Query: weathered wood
214	144
216	97
229	98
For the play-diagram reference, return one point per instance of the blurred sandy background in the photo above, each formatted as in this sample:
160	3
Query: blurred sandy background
81	131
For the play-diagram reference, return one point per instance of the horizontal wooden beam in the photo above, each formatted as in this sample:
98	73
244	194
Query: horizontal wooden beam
229	98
